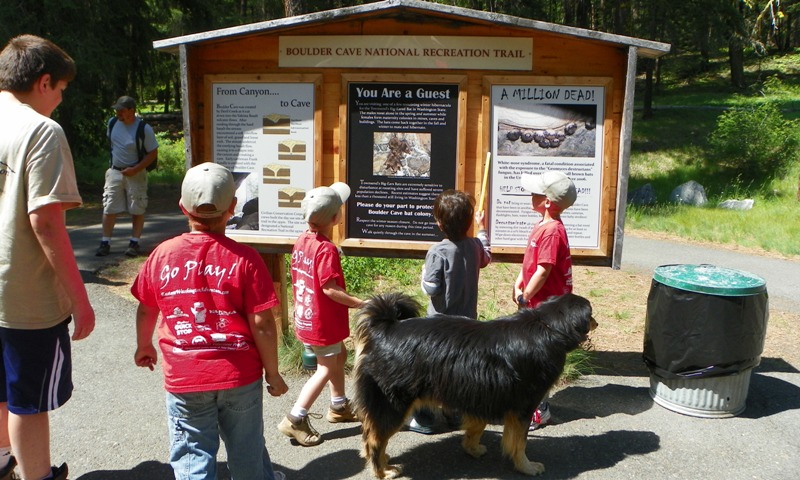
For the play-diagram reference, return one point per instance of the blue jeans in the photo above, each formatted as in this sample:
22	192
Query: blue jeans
197	421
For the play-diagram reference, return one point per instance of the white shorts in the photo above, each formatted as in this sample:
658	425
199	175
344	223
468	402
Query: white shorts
125	194
327	350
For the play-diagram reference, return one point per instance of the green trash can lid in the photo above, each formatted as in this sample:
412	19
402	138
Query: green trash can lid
710	279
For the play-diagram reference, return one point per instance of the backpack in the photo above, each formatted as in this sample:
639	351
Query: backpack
139	142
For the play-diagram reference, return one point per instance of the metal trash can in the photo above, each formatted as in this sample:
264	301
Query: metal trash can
704	333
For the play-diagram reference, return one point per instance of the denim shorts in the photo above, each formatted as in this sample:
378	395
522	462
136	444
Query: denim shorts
198	420
36	373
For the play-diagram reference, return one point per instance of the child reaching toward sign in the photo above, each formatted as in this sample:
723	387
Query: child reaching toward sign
451	271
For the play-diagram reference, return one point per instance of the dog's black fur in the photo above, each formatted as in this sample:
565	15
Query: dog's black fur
489	371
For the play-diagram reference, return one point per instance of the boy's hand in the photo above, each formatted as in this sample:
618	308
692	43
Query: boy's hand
84	322
146	356
480	217
275	384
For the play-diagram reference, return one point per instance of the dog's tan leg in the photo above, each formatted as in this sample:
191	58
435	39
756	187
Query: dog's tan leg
515	439
473	431
375	452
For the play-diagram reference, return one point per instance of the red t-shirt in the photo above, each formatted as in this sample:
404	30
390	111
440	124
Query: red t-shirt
318	320
205	285
548	244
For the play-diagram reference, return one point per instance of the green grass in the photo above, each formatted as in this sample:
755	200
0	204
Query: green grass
673	147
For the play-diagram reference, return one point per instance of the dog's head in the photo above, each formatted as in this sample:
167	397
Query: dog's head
570	315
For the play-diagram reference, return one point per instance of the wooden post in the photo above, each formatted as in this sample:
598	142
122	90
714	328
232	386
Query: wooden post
277	269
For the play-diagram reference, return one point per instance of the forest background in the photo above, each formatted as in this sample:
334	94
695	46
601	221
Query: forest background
721	108
112	40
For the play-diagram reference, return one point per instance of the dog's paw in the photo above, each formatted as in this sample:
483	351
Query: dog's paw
392	471
477	450
530	468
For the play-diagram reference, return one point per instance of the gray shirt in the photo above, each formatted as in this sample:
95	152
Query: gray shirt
450	275
123	143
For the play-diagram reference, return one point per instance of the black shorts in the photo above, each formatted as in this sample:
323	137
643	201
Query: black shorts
36	373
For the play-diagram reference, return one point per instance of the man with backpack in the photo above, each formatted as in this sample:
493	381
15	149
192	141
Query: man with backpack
134	151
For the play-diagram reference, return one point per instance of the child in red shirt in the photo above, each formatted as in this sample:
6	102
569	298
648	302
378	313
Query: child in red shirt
547	265
210	299
321	318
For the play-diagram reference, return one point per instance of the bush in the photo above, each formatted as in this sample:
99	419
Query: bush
755	142
171	160
363	273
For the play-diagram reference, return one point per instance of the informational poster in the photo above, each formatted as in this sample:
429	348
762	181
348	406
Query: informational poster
536	128
402	150
264	133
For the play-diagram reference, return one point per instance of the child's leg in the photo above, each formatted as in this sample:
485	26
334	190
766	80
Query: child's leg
314	385
194	434
242	429
340	409
337	376
295	424
330	366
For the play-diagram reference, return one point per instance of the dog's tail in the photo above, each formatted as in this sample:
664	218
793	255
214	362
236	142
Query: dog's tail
381	311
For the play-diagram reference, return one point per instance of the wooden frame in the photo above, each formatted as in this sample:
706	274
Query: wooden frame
263	241
607	201
350	243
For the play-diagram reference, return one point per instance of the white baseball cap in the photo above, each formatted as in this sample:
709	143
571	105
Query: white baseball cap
554	185
322	203
208	185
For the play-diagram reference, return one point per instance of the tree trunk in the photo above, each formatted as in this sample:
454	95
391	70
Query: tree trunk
648	89
293	7
736	60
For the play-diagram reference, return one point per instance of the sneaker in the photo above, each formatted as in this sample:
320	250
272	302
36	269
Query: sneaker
61	472
341	413
279	475
103	250
7	472
133	249
417	427
300	429
541	416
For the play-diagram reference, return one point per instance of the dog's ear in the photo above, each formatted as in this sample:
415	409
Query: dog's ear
580	313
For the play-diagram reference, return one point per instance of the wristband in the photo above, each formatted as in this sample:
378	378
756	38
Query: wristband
521	301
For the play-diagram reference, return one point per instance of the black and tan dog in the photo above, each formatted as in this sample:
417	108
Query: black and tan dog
489	371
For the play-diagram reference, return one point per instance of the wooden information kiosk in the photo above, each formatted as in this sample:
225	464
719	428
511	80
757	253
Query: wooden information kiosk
402	99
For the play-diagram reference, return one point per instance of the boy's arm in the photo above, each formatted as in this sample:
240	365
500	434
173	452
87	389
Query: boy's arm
432	274
536	282
339	295
51	231
146	354
265	336
480	221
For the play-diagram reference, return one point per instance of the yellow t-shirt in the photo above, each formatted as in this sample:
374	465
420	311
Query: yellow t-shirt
36	169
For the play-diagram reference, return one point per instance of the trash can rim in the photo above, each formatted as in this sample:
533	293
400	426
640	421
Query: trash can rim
710	279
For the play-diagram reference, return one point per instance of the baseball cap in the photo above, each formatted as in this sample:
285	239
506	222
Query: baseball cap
210	185
124	102
554	185
322	203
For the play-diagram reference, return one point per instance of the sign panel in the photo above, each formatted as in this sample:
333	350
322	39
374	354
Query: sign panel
546	127
402	147
406	51
264	133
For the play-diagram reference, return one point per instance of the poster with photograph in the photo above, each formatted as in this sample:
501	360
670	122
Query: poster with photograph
546	127
402	149
264	133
